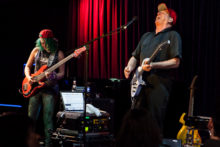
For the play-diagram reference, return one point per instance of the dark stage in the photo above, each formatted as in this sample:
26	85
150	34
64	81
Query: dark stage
76	22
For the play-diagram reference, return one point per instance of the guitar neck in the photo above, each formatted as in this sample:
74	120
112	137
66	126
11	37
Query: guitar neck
162	45
154	54
140	69
191	100
55	66
191	104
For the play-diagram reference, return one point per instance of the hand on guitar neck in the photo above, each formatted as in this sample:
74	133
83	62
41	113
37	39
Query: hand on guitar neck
51	75
146	66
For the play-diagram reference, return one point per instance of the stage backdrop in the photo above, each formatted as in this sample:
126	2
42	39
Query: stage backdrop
198	24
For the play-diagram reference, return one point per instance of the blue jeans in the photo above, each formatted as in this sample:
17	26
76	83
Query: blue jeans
44	99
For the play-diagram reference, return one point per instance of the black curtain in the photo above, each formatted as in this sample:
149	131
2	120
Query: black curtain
198	23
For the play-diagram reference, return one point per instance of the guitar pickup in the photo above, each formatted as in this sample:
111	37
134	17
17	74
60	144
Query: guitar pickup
25	87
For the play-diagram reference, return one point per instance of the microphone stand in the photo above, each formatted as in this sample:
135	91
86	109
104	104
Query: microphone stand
123	27
85	96
116	31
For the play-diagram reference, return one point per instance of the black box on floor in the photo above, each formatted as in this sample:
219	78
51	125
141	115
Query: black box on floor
76	122
91	140
71	126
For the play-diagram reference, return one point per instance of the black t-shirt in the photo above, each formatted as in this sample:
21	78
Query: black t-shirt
150	41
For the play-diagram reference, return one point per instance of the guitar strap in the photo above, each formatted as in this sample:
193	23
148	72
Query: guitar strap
52	59
43	58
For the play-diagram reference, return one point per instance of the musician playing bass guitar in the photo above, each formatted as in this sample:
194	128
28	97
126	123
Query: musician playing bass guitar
45	53
154	94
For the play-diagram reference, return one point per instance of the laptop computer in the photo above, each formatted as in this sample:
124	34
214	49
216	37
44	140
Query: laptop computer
73	101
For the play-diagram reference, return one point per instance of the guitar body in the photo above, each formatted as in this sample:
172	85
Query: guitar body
137	82
30	89
188	135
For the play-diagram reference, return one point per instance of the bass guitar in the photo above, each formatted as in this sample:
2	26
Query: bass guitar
28	89
137	82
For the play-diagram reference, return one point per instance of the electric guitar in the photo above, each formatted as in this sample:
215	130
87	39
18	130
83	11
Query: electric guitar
188	134
137	82
28	89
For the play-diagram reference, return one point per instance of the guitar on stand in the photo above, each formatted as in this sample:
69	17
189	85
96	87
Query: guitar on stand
29	89
189	134
137	82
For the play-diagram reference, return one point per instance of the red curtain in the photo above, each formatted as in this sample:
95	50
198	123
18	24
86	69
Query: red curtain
107	56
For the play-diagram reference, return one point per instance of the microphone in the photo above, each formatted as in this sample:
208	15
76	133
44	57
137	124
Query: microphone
130	22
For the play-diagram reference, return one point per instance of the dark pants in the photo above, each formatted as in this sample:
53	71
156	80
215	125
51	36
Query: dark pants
154	97
46	100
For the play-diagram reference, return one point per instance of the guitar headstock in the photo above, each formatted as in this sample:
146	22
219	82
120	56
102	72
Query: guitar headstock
78	51
193	81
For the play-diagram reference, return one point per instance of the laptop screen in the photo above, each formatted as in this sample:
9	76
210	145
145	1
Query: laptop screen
73	101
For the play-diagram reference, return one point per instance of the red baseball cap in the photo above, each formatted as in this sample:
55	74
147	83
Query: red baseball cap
171	12
46	33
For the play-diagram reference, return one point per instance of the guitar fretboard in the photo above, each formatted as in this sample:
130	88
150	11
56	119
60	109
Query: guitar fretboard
160	47
55	66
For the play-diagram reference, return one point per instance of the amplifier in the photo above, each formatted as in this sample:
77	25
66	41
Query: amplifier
75	122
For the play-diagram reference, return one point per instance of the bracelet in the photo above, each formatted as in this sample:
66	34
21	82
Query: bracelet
53	76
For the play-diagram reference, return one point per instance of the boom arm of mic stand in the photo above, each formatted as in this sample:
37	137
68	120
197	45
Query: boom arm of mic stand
105	35
123	27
